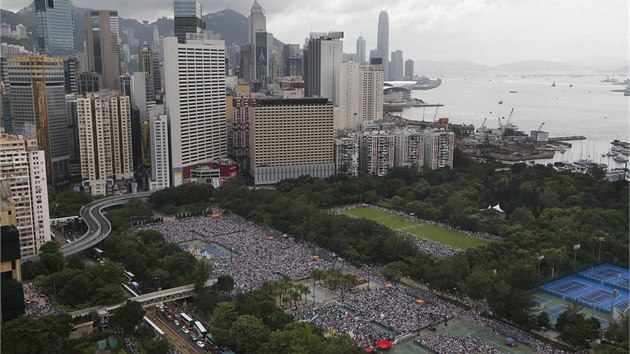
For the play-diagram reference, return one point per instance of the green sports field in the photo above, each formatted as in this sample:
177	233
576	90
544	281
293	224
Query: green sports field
428	231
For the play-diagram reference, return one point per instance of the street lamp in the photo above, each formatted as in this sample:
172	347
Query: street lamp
159	285
599	253
575	249
540	258
614	294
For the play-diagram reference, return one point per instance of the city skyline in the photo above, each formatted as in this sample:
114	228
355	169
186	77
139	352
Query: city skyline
488	32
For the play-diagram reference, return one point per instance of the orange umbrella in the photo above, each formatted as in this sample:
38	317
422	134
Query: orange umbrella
420	301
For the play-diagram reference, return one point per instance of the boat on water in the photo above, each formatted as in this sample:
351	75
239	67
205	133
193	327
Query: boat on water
553	84
620	158
621	150
610	154
513	91
570	85
500	102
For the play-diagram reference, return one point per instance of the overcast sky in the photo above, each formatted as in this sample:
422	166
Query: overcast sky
483	31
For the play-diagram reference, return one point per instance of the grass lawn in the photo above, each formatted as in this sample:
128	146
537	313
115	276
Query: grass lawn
428	231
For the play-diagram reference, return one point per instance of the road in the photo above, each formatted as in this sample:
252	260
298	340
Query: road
98	227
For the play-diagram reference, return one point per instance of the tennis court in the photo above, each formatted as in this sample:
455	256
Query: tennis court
541	301
409	348
596	296
554	312
568	287
593	288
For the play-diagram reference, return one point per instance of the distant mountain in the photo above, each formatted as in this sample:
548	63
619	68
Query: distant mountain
458	65
539	65
230	24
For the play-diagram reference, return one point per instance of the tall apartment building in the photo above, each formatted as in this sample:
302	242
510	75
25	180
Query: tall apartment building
88	82
187	18
322	58
360	95
347	156
160	174
396	65
410	149
439	149
408	69
55	27
38	109
195	99
377	152
103	46
149	62
361	50
290	138
142	94
23	165
105	140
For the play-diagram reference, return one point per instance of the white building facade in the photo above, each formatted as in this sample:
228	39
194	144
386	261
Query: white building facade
195	103
160	174
23	165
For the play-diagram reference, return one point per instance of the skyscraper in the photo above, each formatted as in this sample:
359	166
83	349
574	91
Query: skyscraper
104	120
321	60
160	175
396	65
55	27
264	43
257	21
195	98
22	165
439	148
187	18
39	109
360	95
409	69
361	50
103	46
382	41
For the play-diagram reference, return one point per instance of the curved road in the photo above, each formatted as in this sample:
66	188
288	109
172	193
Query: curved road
98	225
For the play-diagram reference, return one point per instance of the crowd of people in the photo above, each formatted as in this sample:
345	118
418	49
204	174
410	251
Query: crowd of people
257	254
336	319
37	302
443	343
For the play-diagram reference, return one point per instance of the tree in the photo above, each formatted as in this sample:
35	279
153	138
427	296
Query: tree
224	316
576	329
394	270
543	320
159	346
225	284
128	316
249	334
30	335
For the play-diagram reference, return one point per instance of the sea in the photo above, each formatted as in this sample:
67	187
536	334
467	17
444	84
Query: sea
588	108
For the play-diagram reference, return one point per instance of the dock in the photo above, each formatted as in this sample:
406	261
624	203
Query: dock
565	138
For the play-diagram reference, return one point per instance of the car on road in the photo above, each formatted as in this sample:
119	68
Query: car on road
193	337
200	344
176	323
185	330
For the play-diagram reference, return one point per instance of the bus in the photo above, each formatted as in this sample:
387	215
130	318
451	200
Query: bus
187	319
154	326
98	254
130	276
201	330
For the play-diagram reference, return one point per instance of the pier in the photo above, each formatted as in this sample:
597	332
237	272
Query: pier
564	138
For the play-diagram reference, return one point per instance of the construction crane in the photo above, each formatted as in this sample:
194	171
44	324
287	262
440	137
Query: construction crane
436	110
510	117
541	125
483	125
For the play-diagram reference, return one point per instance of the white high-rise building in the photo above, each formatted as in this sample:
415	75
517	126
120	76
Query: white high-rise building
158	130
360	95
377	152
439	148
347	156
195	103
410	149
104	120
142	93
396	66
321	61
23	165
361	50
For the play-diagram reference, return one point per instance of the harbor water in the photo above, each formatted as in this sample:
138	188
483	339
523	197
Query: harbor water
588	108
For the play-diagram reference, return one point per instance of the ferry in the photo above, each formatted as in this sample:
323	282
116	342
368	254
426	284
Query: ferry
553	84
513	91
620	158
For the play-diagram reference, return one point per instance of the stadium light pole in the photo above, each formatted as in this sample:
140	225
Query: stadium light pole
599	253
575	249
540	258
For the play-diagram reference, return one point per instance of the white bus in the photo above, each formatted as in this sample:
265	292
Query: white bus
201	330
154	326
187	319
98	254
129	275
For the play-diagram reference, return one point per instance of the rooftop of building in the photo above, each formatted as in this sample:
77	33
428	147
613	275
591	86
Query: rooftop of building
291	101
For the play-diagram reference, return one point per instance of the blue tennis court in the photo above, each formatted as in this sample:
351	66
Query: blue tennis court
593	288
596	296
555	311
622	305
568	287
624	283
540	300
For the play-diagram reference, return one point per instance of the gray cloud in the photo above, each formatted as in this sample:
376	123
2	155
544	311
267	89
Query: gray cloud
484	31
